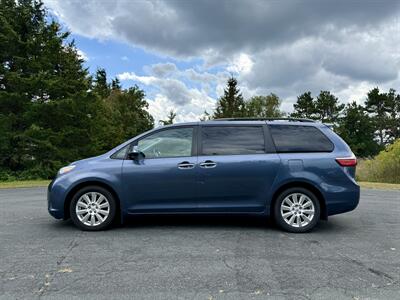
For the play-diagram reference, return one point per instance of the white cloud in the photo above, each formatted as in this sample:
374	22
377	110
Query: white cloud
82	55
132	76
162	69
241	63
160	106
174	89
172	94
221	28
284	47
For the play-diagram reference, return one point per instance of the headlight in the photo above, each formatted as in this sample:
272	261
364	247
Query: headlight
66	169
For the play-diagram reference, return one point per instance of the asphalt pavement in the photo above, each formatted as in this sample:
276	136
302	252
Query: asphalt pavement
352	256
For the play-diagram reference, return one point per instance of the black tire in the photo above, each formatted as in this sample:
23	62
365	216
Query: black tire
112	208
279	219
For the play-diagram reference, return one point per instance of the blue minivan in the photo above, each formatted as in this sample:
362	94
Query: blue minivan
295	170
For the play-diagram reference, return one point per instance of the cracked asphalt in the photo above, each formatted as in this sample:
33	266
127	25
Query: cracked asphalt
352	256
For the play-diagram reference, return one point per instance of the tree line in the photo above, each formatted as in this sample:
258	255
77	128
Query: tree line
367	128
53	111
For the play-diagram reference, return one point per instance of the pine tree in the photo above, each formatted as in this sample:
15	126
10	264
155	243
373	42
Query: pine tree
116	84
101	87
40	72
170	118
357	129
304	107
327	107
50	111
385	108
378	106
394	104
231	104
205	117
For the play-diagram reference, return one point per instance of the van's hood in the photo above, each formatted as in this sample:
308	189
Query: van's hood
86	160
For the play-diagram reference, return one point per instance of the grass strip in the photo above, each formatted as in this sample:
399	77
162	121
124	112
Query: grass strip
23	184
379	185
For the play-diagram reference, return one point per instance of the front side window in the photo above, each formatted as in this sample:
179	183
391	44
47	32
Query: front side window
294	138
167	143
231	140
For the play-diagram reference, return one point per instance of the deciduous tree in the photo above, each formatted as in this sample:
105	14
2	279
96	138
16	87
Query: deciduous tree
264	106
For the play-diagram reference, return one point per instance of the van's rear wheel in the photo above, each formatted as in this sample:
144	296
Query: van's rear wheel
297	210
93	208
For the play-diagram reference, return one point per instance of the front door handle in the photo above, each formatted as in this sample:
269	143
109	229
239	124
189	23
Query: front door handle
185	165
208	164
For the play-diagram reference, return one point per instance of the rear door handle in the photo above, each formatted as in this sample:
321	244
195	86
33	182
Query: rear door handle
185	165
208	164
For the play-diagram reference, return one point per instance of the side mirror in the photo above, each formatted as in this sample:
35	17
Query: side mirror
136	154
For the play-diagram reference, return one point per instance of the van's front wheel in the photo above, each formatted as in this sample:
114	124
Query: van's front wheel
297	210
92	208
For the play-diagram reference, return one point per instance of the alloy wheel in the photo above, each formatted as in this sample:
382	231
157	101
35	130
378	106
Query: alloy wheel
92	209
297	210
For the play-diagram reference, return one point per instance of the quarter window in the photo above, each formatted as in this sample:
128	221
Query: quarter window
228	140
168	143
294	138
120	154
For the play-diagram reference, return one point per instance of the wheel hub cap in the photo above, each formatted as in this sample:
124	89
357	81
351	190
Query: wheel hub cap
297	210
92	208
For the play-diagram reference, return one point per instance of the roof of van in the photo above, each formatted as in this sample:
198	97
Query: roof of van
237	121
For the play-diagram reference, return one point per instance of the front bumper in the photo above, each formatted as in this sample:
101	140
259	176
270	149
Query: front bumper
55	201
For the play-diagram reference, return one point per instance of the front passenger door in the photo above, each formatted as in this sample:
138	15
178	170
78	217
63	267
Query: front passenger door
165	180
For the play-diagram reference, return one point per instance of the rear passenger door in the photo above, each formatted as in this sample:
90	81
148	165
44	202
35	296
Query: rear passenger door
237	167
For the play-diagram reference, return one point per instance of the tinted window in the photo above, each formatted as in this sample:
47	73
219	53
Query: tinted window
226	140
167	143
293	138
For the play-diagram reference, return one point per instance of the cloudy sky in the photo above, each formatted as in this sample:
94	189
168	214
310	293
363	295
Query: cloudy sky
181	52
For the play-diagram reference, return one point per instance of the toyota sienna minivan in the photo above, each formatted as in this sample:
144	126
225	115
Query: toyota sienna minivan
294	170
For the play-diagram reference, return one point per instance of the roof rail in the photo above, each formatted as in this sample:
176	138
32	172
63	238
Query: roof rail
266	119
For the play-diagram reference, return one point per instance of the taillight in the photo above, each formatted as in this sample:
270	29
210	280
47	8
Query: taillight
347	161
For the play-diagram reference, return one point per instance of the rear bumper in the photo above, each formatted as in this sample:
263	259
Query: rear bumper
343	201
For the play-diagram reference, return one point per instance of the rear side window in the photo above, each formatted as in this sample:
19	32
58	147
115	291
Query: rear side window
226	140
293	138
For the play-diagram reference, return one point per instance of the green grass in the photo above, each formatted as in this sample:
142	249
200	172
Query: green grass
385	167
23	184
379	185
